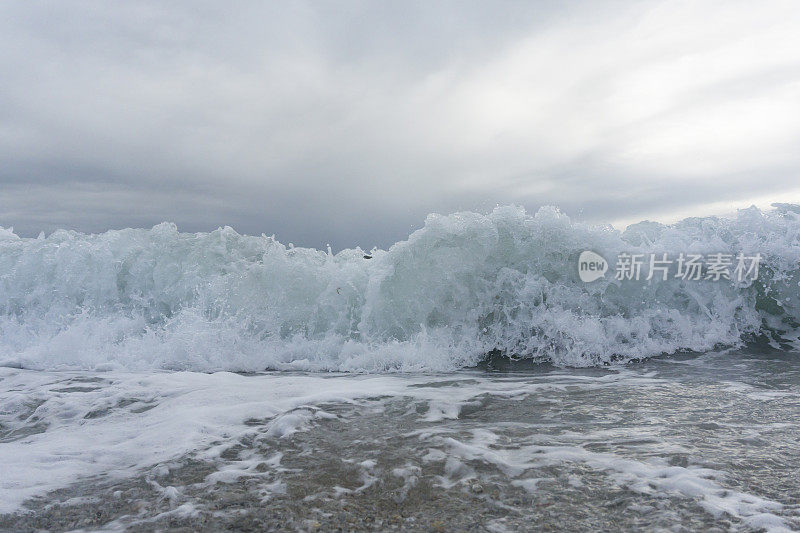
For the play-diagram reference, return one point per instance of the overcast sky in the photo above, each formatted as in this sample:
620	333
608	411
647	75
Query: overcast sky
347	122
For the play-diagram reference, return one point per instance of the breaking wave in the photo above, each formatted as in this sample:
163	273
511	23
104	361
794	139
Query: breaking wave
463	286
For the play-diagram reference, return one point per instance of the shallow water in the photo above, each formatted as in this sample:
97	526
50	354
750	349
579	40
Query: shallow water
682	442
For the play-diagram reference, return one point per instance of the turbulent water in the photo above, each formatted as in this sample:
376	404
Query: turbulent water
101	430
464	286
684	443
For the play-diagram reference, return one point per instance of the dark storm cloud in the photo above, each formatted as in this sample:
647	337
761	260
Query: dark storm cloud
347	122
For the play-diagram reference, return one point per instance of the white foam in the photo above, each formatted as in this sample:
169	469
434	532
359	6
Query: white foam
189	413
463	285
651	476
123	424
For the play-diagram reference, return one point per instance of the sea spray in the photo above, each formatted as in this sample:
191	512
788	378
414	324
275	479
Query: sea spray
463	286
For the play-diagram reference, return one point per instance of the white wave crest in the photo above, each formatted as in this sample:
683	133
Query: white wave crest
463	286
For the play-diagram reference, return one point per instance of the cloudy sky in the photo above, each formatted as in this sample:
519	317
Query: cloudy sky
347	122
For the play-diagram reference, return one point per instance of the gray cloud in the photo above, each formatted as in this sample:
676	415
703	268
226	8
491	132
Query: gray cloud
348	122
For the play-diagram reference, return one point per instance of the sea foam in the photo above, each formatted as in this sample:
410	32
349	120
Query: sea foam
463	286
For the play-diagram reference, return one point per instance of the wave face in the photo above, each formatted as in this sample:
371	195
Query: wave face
463	286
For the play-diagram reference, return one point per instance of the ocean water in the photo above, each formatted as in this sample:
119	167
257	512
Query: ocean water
463	379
